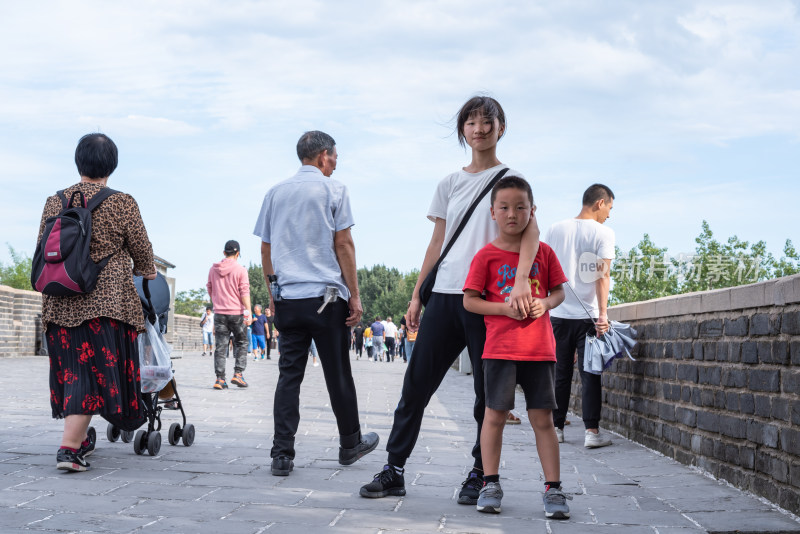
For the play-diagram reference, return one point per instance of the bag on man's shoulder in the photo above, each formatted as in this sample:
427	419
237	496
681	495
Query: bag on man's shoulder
62	266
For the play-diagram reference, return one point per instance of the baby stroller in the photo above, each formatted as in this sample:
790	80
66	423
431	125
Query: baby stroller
155	297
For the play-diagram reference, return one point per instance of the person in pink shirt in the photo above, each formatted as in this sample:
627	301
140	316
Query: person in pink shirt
229	290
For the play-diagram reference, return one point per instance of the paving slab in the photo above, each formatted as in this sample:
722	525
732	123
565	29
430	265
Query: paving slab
222	483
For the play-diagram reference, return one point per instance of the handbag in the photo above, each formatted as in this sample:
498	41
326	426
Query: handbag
426	287
600	351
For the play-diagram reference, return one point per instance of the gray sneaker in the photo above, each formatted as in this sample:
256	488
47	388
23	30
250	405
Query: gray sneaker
489	498
555	503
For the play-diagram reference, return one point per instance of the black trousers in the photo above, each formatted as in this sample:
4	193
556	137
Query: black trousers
298	322
570	336
446	328
389	349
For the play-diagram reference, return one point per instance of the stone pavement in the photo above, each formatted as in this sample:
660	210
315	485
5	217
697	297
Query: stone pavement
222	483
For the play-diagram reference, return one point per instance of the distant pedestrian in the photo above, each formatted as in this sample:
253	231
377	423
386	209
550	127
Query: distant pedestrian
229	289
311	273
585	248
401	346
519	349
207	327
378	339
411	338
390	332
259	332
358	340
271	333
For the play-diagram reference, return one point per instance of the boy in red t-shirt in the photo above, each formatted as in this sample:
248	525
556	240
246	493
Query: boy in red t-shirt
518	350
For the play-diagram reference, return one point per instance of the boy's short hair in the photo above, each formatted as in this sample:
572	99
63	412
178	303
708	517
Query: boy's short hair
596	192
512	182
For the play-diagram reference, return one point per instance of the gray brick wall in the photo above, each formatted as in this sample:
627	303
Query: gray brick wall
20	325
186	335
21	330
716	384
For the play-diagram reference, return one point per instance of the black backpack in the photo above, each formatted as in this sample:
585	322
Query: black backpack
61	264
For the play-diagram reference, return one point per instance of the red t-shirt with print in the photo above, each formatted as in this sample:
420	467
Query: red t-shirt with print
492	272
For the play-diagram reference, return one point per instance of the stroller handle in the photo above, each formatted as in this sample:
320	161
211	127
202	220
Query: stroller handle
151	312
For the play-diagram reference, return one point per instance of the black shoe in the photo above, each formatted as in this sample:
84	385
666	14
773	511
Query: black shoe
68	460
470	488
387	482
368	443
282	466
91	440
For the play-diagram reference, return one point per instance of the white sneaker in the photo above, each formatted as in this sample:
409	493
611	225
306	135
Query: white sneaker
594	441
560	434
316	364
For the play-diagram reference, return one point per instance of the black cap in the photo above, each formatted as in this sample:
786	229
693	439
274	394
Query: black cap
231	247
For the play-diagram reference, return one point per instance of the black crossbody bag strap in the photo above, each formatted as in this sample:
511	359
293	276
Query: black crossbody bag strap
468	214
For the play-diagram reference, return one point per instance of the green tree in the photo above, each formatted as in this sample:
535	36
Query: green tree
716	265
645	272
385	291
789	263
191	302
258	286
17	273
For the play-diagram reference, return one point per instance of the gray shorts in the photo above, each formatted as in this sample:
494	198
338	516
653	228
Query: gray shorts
537	380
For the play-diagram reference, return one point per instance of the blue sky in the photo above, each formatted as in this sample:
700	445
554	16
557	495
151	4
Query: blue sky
688	110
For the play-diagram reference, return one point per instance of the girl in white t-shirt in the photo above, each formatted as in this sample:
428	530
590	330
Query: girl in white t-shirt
447	328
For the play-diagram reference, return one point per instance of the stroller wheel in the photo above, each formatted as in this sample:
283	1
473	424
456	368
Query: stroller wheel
188	435
140	442
127	436
112	433
154	443
174	434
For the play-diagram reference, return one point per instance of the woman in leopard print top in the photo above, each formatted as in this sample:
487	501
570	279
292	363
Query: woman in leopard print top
91	338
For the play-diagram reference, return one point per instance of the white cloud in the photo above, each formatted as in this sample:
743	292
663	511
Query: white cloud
206	99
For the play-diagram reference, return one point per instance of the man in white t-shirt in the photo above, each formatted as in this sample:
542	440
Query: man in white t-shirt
585	249
207	324
390	331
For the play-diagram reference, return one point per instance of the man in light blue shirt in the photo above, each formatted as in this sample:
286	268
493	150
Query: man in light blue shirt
307	252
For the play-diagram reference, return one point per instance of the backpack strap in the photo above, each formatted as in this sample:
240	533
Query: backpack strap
95	201
66	201
99	197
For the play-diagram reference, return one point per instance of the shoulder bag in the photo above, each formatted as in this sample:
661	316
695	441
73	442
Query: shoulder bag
426	287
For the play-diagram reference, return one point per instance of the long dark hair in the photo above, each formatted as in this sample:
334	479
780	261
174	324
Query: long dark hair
484	106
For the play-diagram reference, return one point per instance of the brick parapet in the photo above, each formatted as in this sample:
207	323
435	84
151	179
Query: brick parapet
20	327
716	384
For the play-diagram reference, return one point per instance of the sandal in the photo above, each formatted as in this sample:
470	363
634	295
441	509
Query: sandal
512	419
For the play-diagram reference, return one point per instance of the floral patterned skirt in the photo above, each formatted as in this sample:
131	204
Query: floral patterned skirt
94	369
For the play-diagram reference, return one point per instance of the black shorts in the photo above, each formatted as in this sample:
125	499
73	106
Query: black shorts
537	380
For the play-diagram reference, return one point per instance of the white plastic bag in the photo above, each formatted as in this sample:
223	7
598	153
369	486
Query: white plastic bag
155	368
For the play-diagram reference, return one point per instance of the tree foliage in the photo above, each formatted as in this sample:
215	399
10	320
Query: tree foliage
258	286
17	273
648	271
192	302
385	291
640	274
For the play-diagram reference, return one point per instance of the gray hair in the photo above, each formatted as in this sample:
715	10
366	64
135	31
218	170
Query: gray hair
312	143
